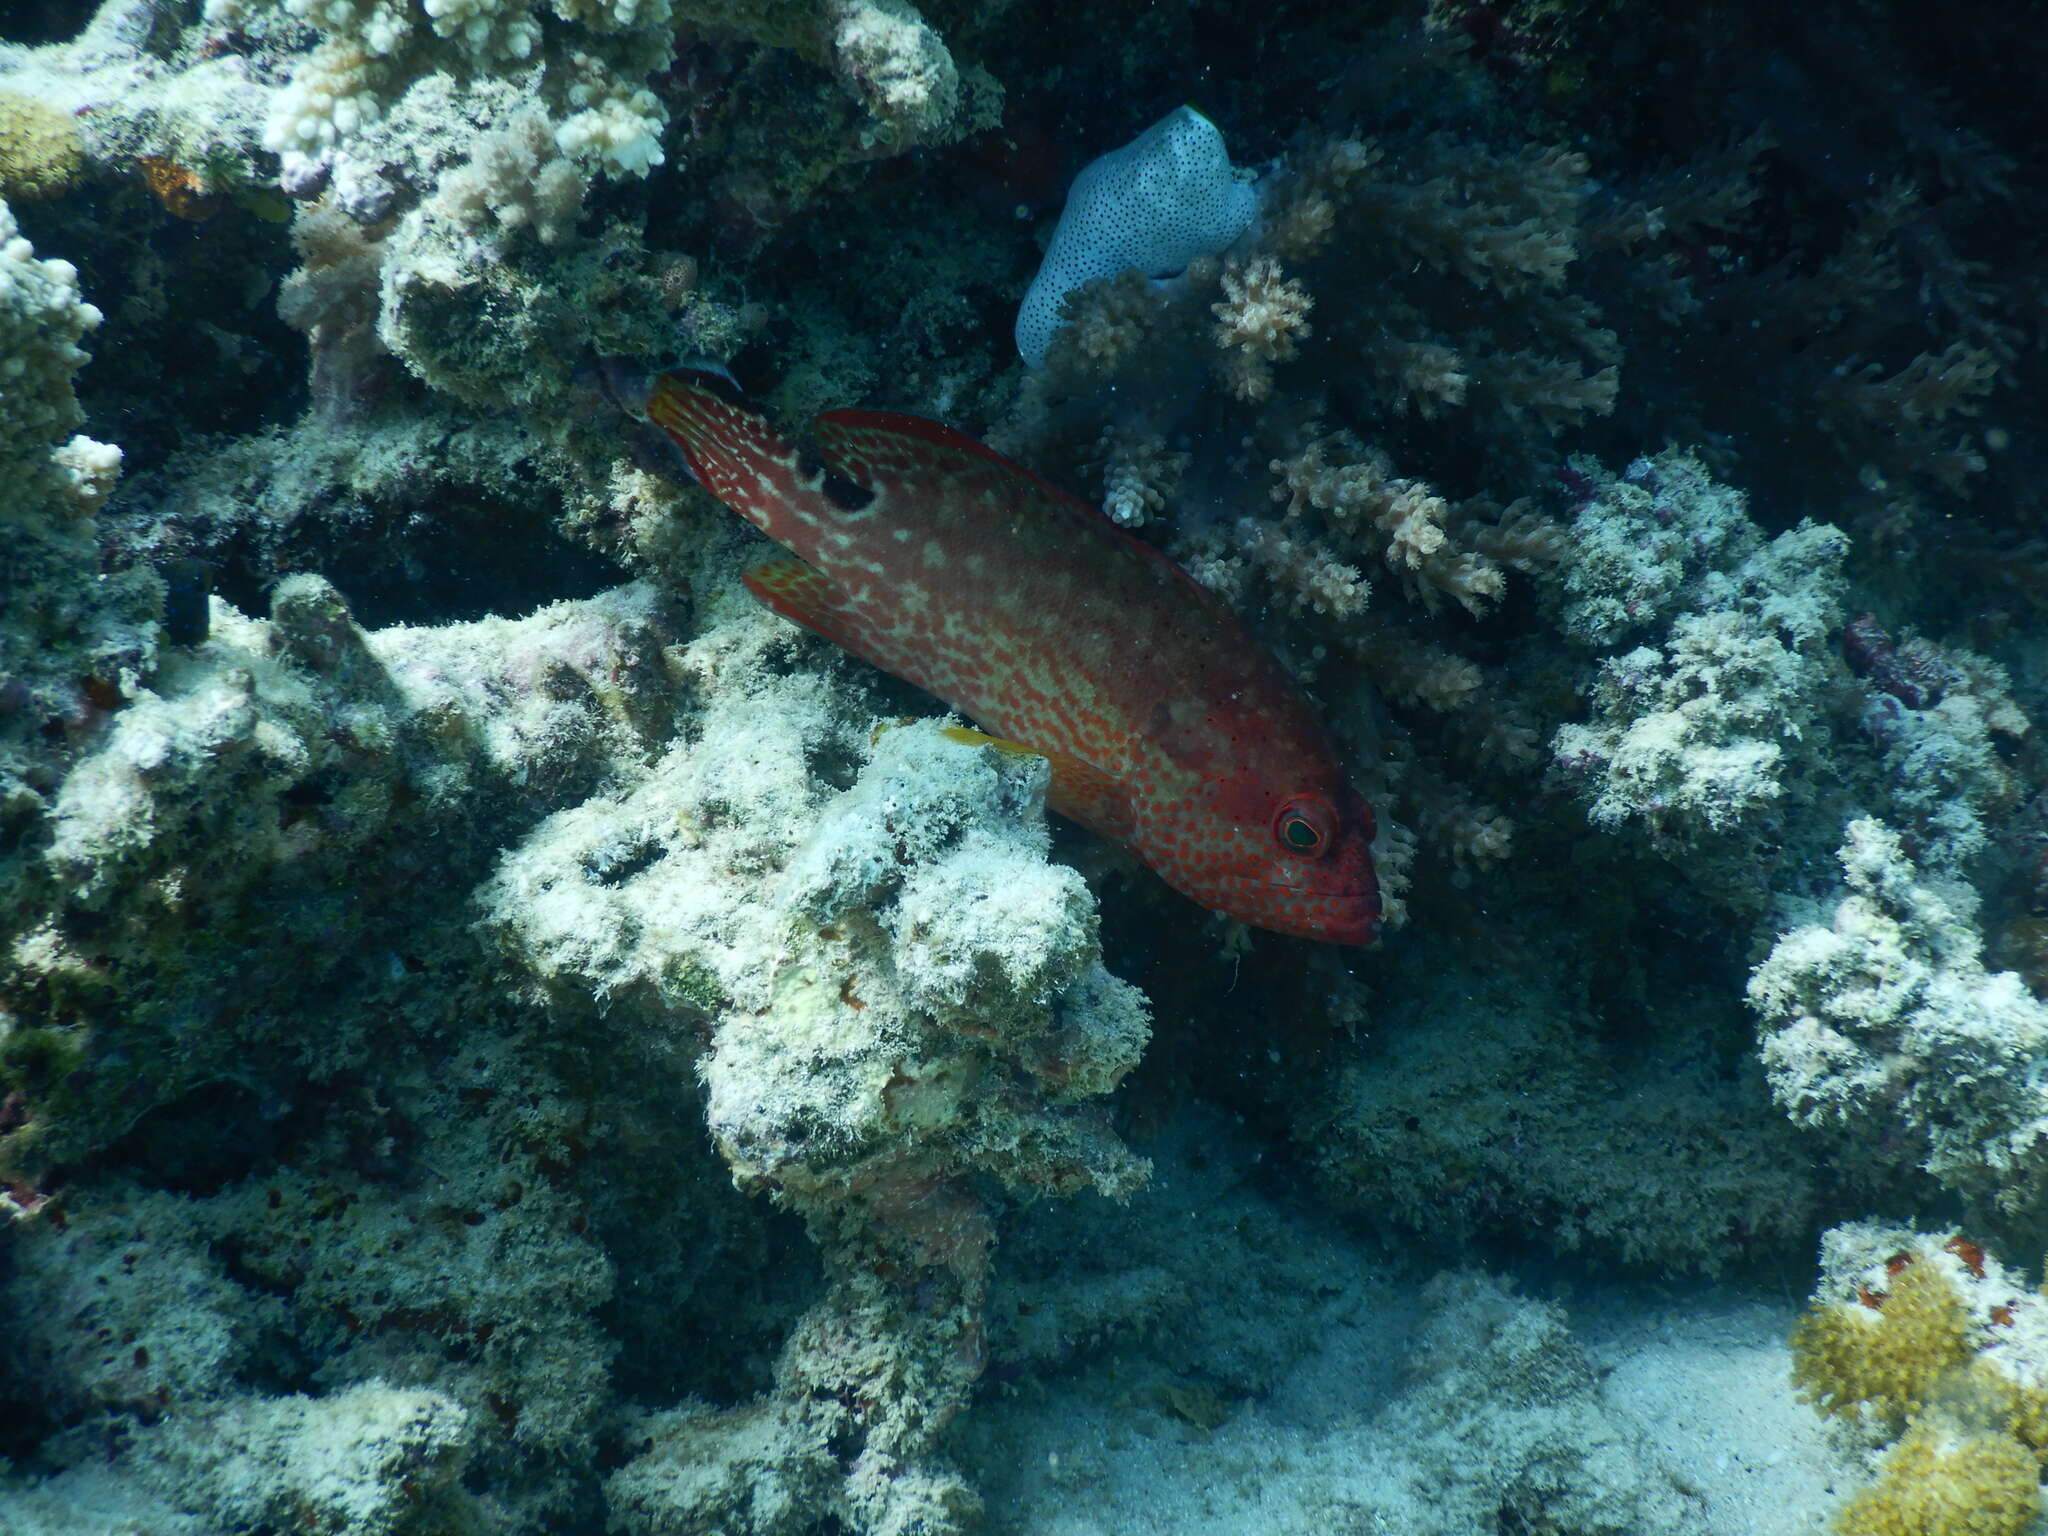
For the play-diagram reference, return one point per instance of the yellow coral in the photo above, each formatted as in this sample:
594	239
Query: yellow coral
1944	1482
1890	1359
2021	1408
40	153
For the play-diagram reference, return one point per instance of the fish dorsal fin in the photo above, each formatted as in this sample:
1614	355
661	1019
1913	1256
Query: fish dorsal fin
1079	790
805	595
849	438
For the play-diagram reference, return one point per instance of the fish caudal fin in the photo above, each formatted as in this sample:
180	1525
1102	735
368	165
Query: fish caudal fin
730	446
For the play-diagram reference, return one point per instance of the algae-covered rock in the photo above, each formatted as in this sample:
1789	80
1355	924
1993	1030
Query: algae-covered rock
40	151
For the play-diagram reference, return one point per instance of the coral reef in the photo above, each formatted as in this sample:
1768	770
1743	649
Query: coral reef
1762	720
1692	738
370	1460
1949	1483
39	149
498	1032
1395	1407
906	993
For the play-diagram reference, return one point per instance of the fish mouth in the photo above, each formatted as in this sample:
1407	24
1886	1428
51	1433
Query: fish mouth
1358	893
1359	935
1360	931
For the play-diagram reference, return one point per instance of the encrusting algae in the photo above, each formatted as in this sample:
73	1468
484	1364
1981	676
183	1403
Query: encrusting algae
40	152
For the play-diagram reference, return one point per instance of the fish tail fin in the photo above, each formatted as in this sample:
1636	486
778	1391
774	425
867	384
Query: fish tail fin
725	438
623	382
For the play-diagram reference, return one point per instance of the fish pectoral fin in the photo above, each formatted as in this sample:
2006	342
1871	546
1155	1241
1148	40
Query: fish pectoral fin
1079	790
805	595
1083	792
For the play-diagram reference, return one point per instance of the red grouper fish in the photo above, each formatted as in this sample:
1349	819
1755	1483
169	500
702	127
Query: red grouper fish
1168	727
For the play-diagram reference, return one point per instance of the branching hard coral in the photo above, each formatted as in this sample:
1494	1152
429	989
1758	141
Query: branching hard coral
1846	271
518	179
1305	571
373	52
1343	505
1260	320
1472	834
1505	226
1139	473
1417	673
43	318
1849	243
1363	500
1105	321
1500	229
75	636
332	299
1407	303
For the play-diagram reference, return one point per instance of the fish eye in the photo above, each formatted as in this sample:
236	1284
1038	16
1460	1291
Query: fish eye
1306	826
